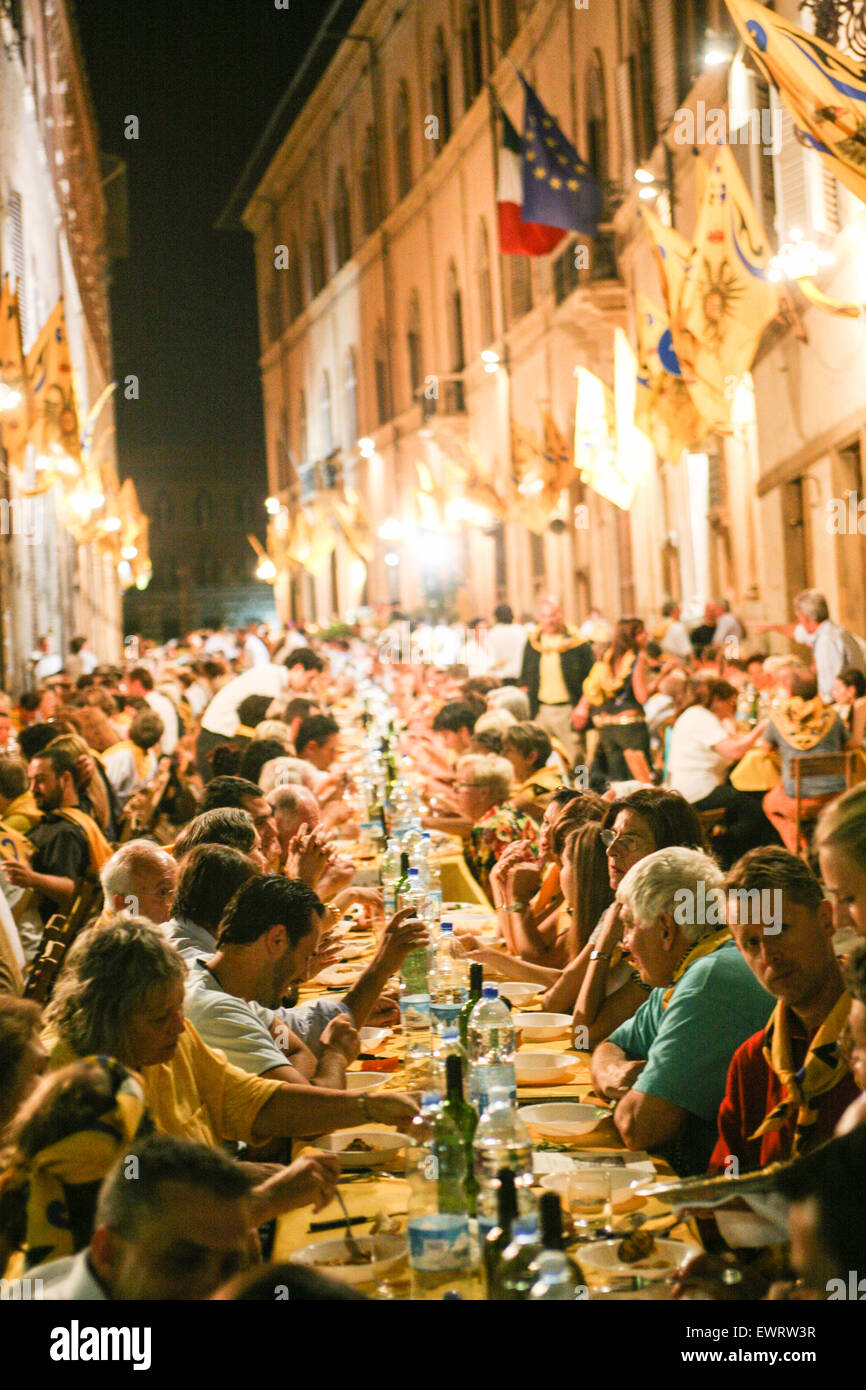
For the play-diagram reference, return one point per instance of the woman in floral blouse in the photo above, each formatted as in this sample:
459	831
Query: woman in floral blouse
483	787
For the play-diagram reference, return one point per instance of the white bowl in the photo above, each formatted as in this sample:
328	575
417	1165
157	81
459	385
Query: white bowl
384	1145
388	1251
353	951
622	1181
543	1027
601	1258
562	1119
519	991
544	1068
364	1081
371	1038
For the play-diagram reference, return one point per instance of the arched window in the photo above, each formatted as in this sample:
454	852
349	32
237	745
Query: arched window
454	301
203	508
598	144
342	221
369	184
440	91
473	51
326	424
296	279
509	22
485	296
380	369
402	141
303	452
317	253
350	395
413	345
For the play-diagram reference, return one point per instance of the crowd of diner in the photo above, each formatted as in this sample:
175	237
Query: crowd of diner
177	835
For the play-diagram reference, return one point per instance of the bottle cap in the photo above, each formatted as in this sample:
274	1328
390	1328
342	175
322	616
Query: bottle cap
447	928
413	871
490	992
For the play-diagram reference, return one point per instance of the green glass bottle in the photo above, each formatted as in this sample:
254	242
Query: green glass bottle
517	1267
499	1236
403	880
465	1119
476	983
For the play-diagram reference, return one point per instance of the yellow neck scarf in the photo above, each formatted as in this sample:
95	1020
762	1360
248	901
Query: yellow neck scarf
82	1157
601	683
100	849
823	1069
803	723
705	947
24	805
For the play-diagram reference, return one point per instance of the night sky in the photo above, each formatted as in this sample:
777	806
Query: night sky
203	77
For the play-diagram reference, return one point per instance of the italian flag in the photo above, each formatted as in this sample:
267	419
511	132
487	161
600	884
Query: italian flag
516	237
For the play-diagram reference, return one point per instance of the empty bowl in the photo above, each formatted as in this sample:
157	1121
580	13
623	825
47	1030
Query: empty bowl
544	1068
542	1027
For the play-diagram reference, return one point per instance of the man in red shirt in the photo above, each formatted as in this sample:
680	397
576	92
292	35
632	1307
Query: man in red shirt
789	1084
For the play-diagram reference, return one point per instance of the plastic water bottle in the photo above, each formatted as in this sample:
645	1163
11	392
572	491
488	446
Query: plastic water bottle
440	1252
390	876
434	887
501	1141
490	1049
411	842
415	1022
556	1279
419	852
446	982
416	965
443	1045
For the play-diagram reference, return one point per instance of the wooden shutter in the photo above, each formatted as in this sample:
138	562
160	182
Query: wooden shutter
664	43
625	110
806	192
17	261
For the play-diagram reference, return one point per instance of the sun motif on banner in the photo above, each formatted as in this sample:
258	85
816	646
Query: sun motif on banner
720	290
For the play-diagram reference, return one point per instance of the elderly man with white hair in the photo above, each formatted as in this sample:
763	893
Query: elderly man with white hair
139	880
667	1066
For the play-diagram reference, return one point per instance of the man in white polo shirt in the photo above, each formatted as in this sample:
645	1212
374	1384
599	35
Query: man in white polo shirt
220	720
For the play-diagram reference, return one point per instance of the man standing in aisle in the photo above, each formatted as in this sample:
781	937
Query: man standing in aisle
556	662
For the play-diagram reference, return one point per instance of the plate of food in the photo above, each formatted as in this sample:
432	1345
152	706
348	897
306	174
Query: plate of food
353	950
371	1038
333	1258
638	1253
362	1148
338	975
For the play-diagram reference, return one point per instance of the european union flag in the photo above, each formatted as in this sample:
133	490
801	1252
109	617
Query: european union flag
559	188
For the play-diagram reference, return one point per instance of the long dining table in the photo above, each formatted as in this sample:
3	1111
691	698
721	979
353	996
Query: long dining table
378	1198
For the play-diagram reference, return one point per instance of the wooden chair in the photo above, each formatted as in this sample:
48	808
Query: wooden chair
712	822
818	765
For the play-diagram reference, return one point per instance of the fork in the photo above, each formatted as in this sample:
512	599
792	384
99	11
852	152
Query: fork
352	1245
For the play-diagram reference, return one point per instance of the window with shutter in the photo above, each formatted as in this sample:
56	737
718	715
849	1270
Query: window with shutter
807	197
17	260
626	122
664	44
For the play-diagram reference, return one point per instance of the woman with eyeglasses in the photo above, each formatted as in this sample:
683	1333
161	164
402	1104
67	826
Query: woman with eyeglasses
598	985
